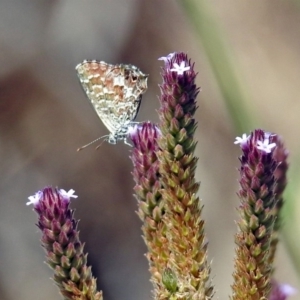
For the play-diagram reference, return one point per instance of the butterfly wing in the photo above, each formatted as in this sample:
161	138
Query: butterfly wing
115	91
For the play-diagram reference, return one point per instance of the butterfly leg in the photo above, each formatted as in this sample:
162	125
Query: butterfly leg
126	143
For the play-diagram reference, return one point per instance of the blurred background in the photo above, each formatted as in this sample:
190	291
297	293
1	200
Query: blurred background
247	54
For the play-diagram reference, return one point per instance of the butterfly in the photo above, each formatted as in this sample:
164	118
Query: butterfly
115	92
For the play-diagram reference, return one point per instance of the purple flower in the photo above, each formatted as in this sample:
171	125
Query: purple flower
188	269
144	136
60	239
252	275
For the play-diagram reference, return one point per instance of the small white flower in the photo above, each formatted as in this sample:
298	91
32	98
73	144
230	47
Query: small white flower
166	58
69	194
180	69
265	146
35	198
132	130
241	140
287	290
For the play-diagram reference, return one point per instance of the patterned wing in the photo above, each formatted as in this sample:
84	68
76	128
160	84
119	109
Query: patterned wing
115	91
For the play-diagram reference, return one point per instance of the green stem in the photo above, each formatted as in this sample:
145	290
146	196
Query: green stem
221	57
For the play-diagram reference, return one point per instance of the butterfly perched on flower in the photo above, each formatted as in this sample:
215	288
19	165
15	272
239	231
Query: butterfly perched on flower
115	92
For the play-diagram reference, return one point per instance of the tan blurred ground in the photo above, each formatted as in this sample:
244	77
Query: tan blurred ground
45	117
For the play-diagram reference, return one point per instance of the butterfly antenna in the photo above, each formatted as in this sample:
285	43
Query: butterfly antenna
104	136
101	143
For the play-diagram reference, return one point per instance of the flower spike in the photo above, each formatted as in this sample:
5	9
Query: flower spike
252	275
60	239
186	275
151	208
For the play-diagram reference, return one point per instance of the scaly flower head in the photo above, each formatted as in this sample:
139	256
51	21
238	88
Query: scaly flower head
257	184
60	239
145	173
187	273
151	210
